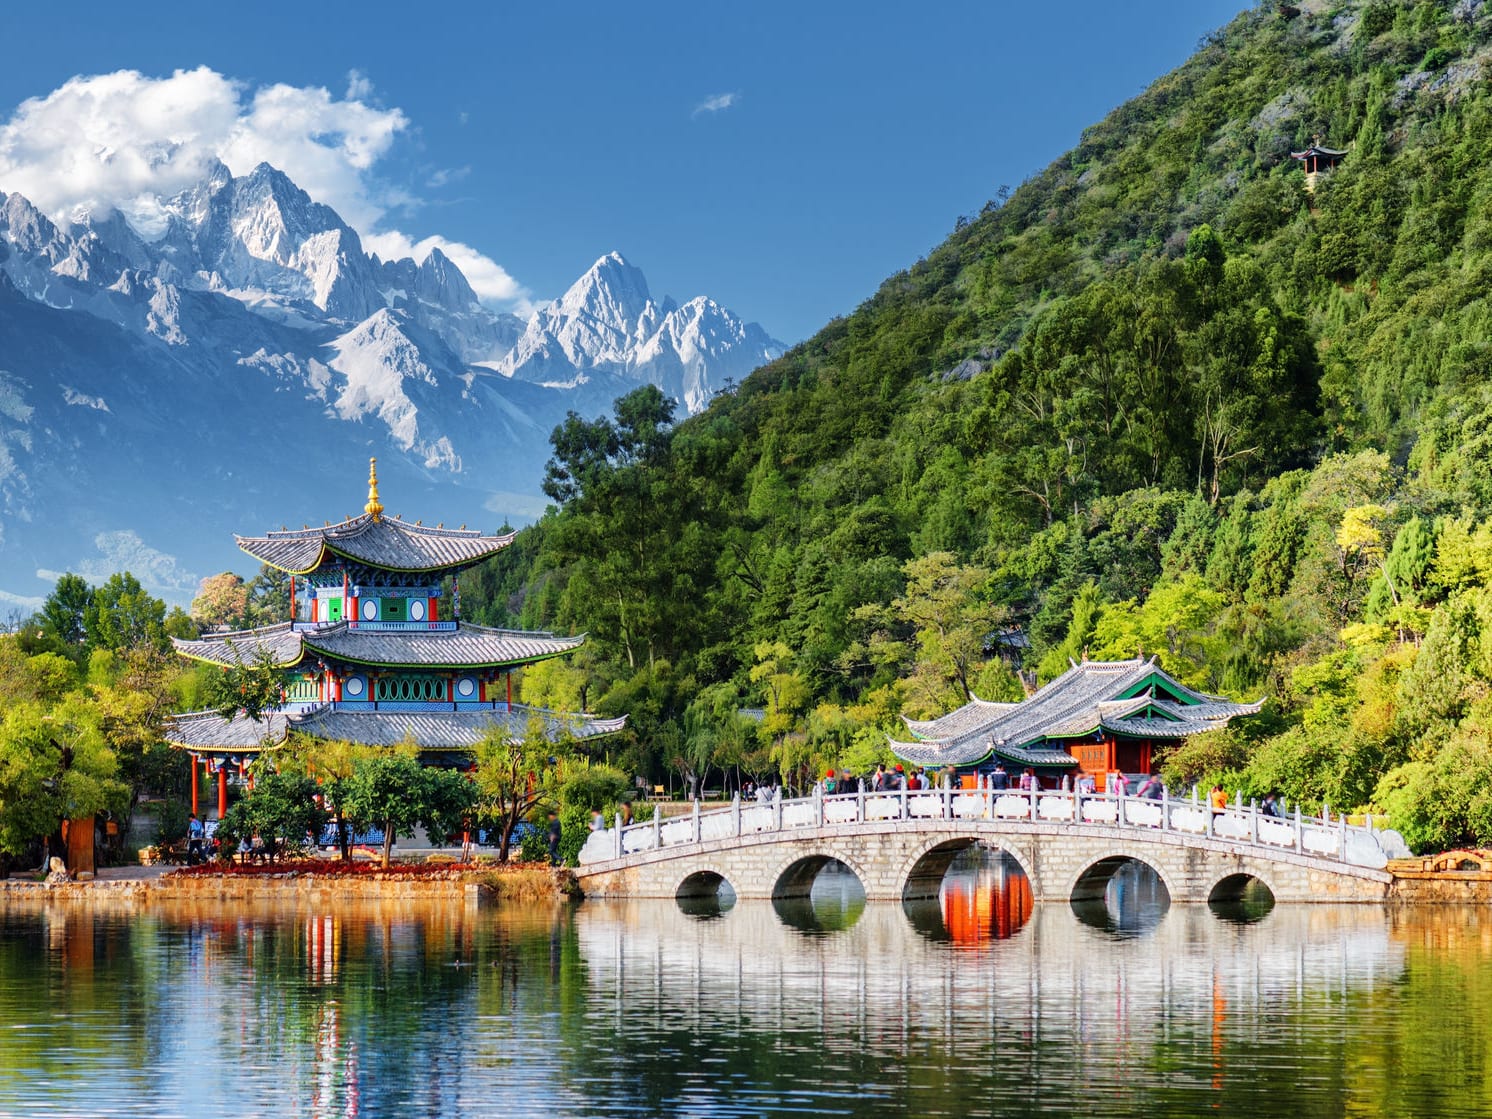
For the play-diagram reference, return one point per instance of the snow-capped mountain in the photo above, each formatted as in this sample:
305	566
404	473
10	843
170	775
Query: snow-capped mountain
608	323
231	361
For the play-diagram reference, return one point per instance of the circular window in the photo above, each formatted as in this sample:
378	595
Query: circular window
370	608
417	609
353	686
466	687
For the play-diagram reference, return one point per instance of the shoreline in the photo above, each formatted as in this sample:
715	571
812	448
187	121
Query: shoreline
484	885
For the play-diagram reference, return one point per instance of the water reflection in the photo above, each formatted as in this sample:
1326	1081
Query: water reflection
708	904
985	896
834	902
1124	897
1241	902
631	1008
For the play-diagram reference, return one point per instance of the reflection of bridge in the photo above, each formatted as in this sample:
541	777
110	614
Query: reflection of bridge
900	845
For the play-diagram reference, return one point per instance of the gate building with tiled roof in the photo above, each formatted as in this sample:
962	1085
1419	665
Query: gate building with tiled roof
1099	717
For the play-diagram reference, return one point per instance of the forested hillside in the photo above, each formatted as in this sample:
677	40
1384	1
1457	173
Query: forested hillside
1159	398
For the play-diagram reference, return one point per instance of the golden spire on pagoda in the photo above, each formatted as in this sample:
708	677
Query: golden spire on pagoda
373	508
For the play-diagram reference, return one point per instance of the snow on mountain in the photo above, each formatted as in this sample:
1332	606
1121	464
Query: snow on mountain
234	363
608	322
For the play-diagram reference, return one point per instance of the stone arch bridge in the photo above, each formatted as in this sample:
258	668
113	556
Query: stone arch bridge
901	844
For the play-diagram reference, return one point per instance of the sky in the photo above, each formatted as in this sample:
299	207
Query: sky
782	158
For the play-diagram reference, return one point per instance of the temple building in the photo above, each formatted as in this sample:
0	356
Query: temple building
1099	717
374	651
1317	161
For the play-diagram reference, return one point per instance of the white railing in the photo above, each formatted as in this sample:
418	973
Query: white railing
1319	837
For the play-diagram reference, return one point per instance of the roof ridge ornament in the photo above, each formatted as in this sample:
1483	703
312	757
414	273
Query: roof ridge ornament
374	509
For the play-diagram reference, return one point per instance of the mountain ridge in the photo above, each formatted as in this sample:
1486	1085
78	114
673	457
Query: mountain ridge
247	300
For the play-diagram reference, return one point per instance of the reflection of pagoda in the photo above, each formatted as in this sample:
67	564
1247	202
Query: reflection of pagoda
373	653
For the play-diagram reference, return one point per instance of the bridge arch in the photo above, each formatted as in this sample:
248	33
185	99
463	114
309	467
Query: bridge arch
921	875
702	882
1093	879
793	877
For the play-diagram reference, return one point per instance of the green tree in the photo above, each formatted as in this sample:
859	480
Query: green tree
516	778
283	811
396	793
61	615
122	614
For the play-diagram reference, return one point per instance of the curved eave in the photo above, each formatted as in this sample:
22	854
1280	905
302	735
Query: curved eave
939	754
243	543
236	650
512	662
425	569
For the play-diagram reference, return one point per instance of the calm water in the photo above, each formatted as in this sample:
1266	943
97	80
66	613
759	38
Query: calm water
978	1003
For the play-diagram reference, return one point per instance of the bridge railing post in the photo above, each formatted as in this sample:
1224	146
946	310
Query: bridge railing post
777	813
1077	803
1034	791
947	801
657	826
1119	817
735	814
1253	821
1165	809
818	806
616	837
1299	830
696	822
903	798
1342	838
860	805
1211	822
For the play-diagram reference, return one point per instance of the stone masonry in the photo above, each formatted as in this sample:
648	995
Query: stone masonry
907	858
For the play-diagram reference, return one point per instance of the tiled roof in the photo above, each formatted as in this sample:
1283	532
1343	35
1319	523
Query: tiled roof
971	752
473	646
468	646
390	544
1088	697
207	729
433	730
243	647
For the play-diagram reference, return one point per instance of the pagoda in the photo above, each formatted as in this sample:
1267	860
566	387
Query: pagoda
1099	717
374	651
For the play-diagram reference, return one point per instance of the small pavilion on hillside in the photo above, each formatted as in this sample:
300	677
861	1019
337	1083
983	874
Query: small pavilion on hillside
1099	717
1317	160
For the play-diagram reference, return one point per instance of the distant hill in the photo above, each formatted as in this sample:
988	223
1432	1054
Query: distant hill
1161	397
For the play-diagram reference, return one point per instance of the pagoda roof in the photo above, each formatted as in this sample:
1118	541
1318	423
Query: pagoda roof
377	541
467	646
207	731
1319	151
1135	698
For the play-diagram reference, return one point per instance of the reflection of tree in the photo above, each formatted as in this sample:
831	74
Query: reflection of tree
237	1009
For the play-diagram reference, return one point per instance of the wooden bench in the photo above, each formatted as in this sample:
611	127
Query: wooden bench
659	793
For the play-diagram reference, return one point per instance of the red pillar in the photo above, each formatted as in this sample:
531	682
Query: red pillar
222	789
195	784
509	677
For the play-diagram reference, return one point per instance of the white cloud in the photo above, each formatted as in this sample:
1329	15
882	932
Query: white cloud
123	550
359	88
489	279
716	103
125	141
12	601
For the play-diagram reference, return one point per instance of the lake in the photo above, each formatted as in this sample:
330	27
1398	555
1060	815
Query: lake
977	1003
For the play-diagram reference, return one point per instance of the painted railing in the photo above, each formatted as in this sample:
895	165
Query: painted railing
1319	837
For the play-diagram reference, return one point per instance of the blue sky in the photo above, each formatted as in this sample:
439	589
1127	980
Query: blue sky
783	158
